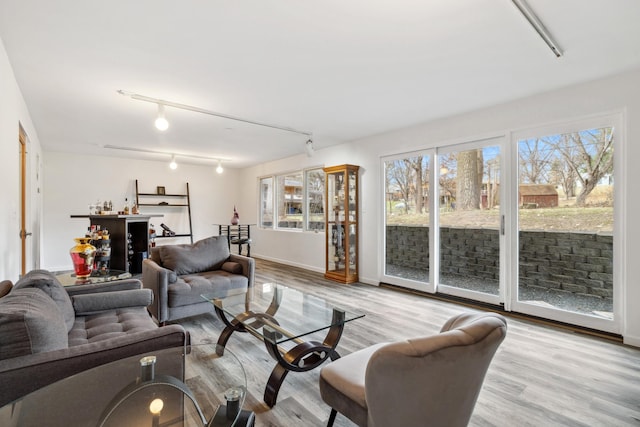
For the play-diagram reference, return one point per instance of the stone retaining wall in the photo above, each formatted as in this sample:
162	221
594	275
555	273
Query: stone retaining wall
575	262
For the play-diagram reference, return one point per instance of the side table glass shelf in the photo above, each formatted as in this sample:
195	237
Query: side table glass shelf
148	389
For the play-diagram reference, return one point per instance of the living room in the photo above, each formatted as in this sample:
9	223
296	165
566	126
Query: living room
64	183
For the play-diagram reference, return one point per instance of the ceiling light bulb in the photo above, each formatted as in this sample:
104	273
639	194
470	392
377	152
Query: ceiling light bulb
173	164
161	122
309	148
219	169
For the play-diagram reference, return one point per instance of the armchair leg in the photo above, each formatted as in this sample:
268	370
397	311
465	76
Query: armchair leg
332	417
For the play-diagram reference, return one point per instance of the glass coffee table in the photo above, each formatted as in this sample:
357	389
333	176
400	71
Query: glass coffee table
287	320
70	279
179	386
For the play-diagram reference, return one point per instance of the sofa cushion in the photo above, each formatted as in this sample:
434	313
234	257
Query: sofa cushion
30	322
49	284
110	324
204	255
154	255
103	301
190	288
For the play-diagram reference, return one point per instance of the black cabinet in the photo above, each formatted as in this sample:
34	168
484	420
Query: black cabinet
129	239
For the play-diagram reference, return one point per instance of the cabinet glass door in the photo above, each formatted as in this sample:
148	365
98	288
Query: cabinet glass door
342	223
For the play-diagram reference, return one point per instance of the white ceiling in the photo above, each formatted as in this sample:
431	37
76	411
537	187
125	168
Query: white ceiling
341	69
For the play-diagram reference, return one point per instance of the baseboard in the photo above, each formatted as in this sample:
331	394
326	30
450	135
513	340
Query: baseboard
490	307
288	262
631	340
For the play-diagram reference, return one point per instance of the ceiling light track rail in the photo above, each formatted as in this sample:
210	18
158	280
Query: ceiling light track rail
164	153
208	112
537	25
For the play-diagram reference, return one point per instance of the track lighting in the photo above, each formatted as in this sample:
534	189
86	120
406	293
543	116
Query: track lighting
309	147
161	121
537	25
173	164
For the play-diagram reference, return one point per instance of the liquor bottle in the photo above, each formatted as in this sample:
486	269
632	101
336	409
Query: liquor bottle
126	206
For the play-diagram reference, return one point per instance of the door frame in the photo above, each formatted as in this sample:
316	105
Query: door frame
23	168
497	300
422	286
616	120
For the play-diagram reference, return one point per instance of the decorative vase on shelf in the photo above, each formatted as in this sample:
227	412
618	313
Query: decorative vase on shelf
83	255
236	218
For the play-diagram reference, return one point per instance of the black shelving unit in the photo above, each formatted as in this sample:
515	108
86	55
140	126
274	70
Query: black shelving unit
129	239
177	201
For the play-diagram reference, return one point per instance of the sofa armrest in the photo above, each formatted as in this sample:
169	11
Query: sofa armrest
86	304
42	369
111	286
248	266
157	279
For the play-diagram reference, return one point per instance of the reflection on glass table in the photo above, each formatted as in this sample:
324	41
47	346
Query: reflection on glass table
170	387
70	279
287	320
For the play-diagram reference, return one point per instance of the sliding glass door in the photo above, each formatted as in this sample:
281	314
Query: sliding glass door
469	221
527	224
566	223
406	220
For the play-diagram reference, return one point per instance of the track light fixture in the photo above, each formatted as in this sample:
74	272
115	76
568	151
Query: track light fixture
173	164
161	121
309	147
537	25
163	124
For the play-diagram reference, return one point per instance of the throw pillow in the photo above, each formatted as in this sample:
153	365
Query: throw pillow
49	284
204	255
232	267
30	322
5	287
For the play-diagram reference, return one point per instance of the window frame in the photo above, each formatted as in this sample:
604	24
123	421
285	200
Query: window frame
276	179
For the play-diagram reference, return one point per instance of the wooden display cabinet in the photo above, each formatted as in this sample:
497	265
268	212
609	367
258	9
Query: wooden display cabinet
341	184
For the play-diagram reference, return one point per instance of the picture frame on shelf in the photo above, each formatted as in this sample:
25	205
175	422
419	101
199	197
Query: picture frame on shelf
160	190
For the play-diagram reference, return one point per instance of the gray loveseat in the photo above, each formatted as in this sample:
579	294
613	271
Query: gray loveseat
49	332
179	274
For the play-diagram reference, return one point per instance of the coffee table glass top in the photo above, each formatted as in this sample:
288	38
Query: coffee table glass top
279	314
70	279
163	387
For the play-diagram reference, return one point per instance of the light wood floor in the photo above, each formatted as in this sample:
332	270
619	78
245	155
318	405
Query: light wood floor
540	376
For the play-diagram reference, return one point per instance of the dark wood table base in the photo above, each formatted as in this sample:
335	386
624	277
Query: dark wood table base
304	356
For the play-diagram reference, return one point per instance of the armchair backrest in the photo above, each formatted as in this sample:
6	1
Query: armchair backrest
433	380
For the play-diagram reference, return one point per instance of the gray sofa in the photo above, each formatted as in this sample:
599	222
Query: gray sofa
49	332
179	274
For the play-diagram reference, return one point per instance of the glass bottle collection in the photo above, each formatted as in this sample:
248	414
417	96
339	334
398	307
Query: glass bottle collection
92	253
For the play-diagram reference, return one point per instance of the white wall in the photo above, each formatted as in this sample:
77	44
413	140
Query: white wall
67	191
74	181
12	112
616	94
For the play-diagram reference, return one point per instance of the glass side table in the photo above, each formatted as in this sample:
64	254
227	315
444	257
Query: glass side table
190	386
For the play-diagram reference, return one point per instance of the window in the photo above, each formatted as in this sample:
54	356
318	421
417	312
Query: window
266	202
298	198
314	180
290	200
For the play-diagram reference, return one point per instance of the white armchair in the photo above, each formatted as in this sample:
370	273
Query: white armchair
433	380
